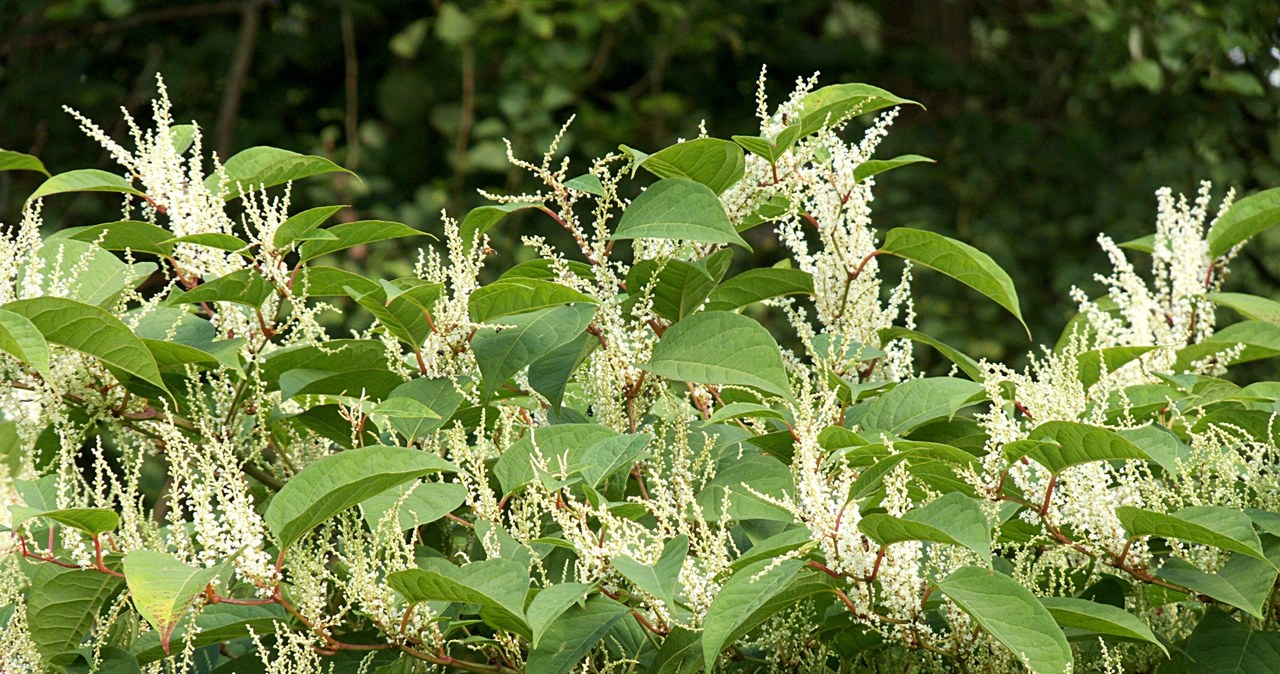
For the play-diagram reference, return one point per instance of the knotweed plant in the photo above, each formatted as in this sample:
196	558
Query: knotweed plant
602	461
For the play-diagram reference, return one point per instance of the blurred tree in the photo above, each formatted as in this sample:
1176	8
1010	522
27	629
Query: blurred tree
1052	120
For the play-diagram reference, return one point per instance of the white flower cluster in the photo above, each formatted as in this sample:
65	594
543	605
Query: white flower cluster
1173	311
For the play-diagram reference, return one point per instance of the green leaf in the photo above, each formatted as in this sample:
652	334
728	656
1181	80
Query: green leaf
339	481
426	503
952	519
1010	613
1246	217
419	407
261	167
958	260
754	285
162	587
1143	244
550	603
773	208
571	636
745	601
721	348
227	242
182	136
680	653
586	183
99	276
745	411
502	352
176	336
497	585
967	365
1093	363
482	218
680	209
773	148
92	331
550	374
516	296
338	355
63	605
713	162
1059	445
765	474
1260	340
21	339
661	579
244	286
402	313
679	289
301	224
321	281
84	180
915	402
17	161
874	166
543	269
93	521
835	103
1251	307
375	383
1243	582
1088	618
110	660
215	624
590	450
140	237
356	233
1215	526
1221	645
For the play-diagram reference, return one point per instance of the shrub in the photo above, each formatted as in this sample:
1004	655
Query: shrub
602	460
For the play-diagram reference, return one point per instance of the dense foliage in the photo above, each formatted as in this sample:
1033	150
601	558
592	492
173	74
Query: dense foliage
1050	119
602	460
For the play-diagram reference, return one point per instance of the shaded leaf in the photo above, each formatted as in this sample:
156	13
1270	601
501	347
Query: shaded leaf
502	352
1221	645
572	635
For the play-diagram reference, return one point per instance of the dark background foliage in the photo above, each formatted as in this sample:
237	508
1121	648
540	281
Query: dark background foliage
1051	120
